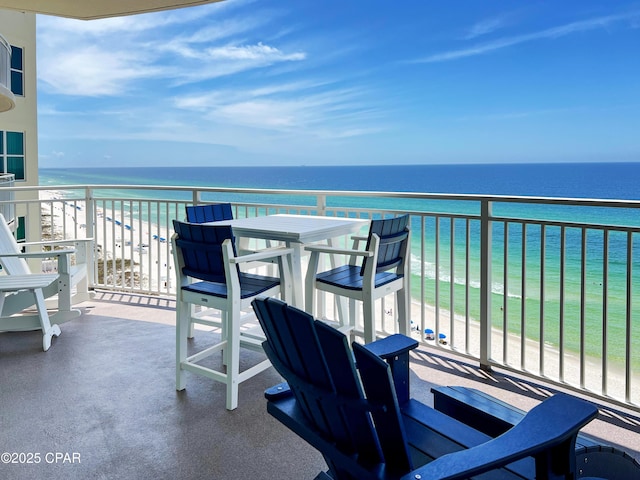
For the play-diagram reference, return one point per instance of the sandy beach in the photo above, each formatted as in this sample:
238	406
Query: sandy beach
146	245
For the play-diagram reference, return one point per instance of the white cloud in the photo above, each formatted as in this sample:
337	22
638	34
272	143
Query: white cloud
260	53
92	71
309	108
224	29
93	58
551	33
202	78
484	27
108	57
219	61
263	114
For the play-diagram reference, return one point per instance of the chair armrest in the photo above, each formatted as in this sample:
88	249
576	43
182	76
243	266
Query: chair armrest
356	241
56	242
50	253
548	433
392	346
262	255
394	350
314	261
337	251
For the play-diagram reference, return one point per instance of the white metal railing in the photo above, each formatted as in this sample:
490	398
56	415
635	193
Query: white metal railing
541	286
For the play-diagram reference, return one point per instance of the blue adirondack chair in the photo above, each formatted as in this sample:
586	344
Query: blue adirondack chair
379	270
208	274
359	415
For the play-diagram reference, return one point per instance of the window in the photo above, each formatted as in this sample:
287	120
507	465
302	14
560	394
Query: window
12	154
21	230
17	71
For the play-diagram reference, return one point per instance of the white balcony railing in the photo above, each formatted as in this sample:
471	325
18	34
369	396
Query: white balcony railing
540	286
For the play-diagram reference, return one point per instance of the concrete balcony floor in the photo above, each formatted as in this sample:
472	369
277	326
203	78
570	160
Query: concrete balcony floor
102	404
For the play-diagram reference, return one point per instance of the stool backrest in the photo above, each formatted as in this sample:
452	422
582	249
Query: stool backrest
210	212
394	237
200	248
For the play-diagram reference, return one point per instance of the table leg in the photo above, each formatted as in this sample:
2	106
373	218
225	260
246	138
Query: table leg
296	274
298	280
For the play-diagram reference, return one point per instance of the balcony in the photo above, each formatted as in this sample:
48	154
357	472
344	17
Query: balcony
105	392
109	378
7	99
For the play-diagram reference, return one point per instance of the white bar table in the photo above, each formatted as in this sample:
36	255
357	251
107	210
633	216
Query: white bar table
295	231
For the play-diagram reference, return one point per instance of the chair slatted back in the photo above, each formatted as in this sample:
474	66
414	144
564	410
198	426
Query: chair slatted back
393	234
378	383
210	212
8	244
318	365
201	249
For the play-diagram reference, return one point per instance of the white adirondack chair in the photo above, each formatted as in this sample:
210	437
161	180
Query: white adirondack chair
20	289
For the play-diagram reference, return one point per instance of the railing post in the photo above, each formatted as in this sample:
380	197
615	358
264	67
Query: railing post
485	284
91	232
322	205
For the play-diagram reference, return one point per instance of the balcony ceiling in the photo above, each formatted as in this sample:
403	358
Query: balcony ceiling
93	9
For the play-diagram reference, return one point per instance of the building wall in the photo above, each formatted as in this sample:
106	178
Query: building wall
19	29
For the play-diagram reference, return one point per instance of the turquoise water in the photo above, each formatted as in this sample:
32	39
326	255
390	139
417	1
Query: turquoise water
547	286
618	181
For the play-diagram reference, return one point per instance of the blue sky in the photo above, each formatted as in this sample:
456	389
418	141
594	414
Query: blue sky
265	82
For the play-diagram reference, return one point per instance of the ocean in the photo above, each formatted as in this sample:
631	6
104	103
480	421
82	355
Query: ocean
584	180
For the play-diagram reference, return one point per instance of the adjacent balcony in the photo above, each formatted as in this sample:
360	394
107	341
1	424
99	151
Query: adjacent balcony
531	295
7	99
